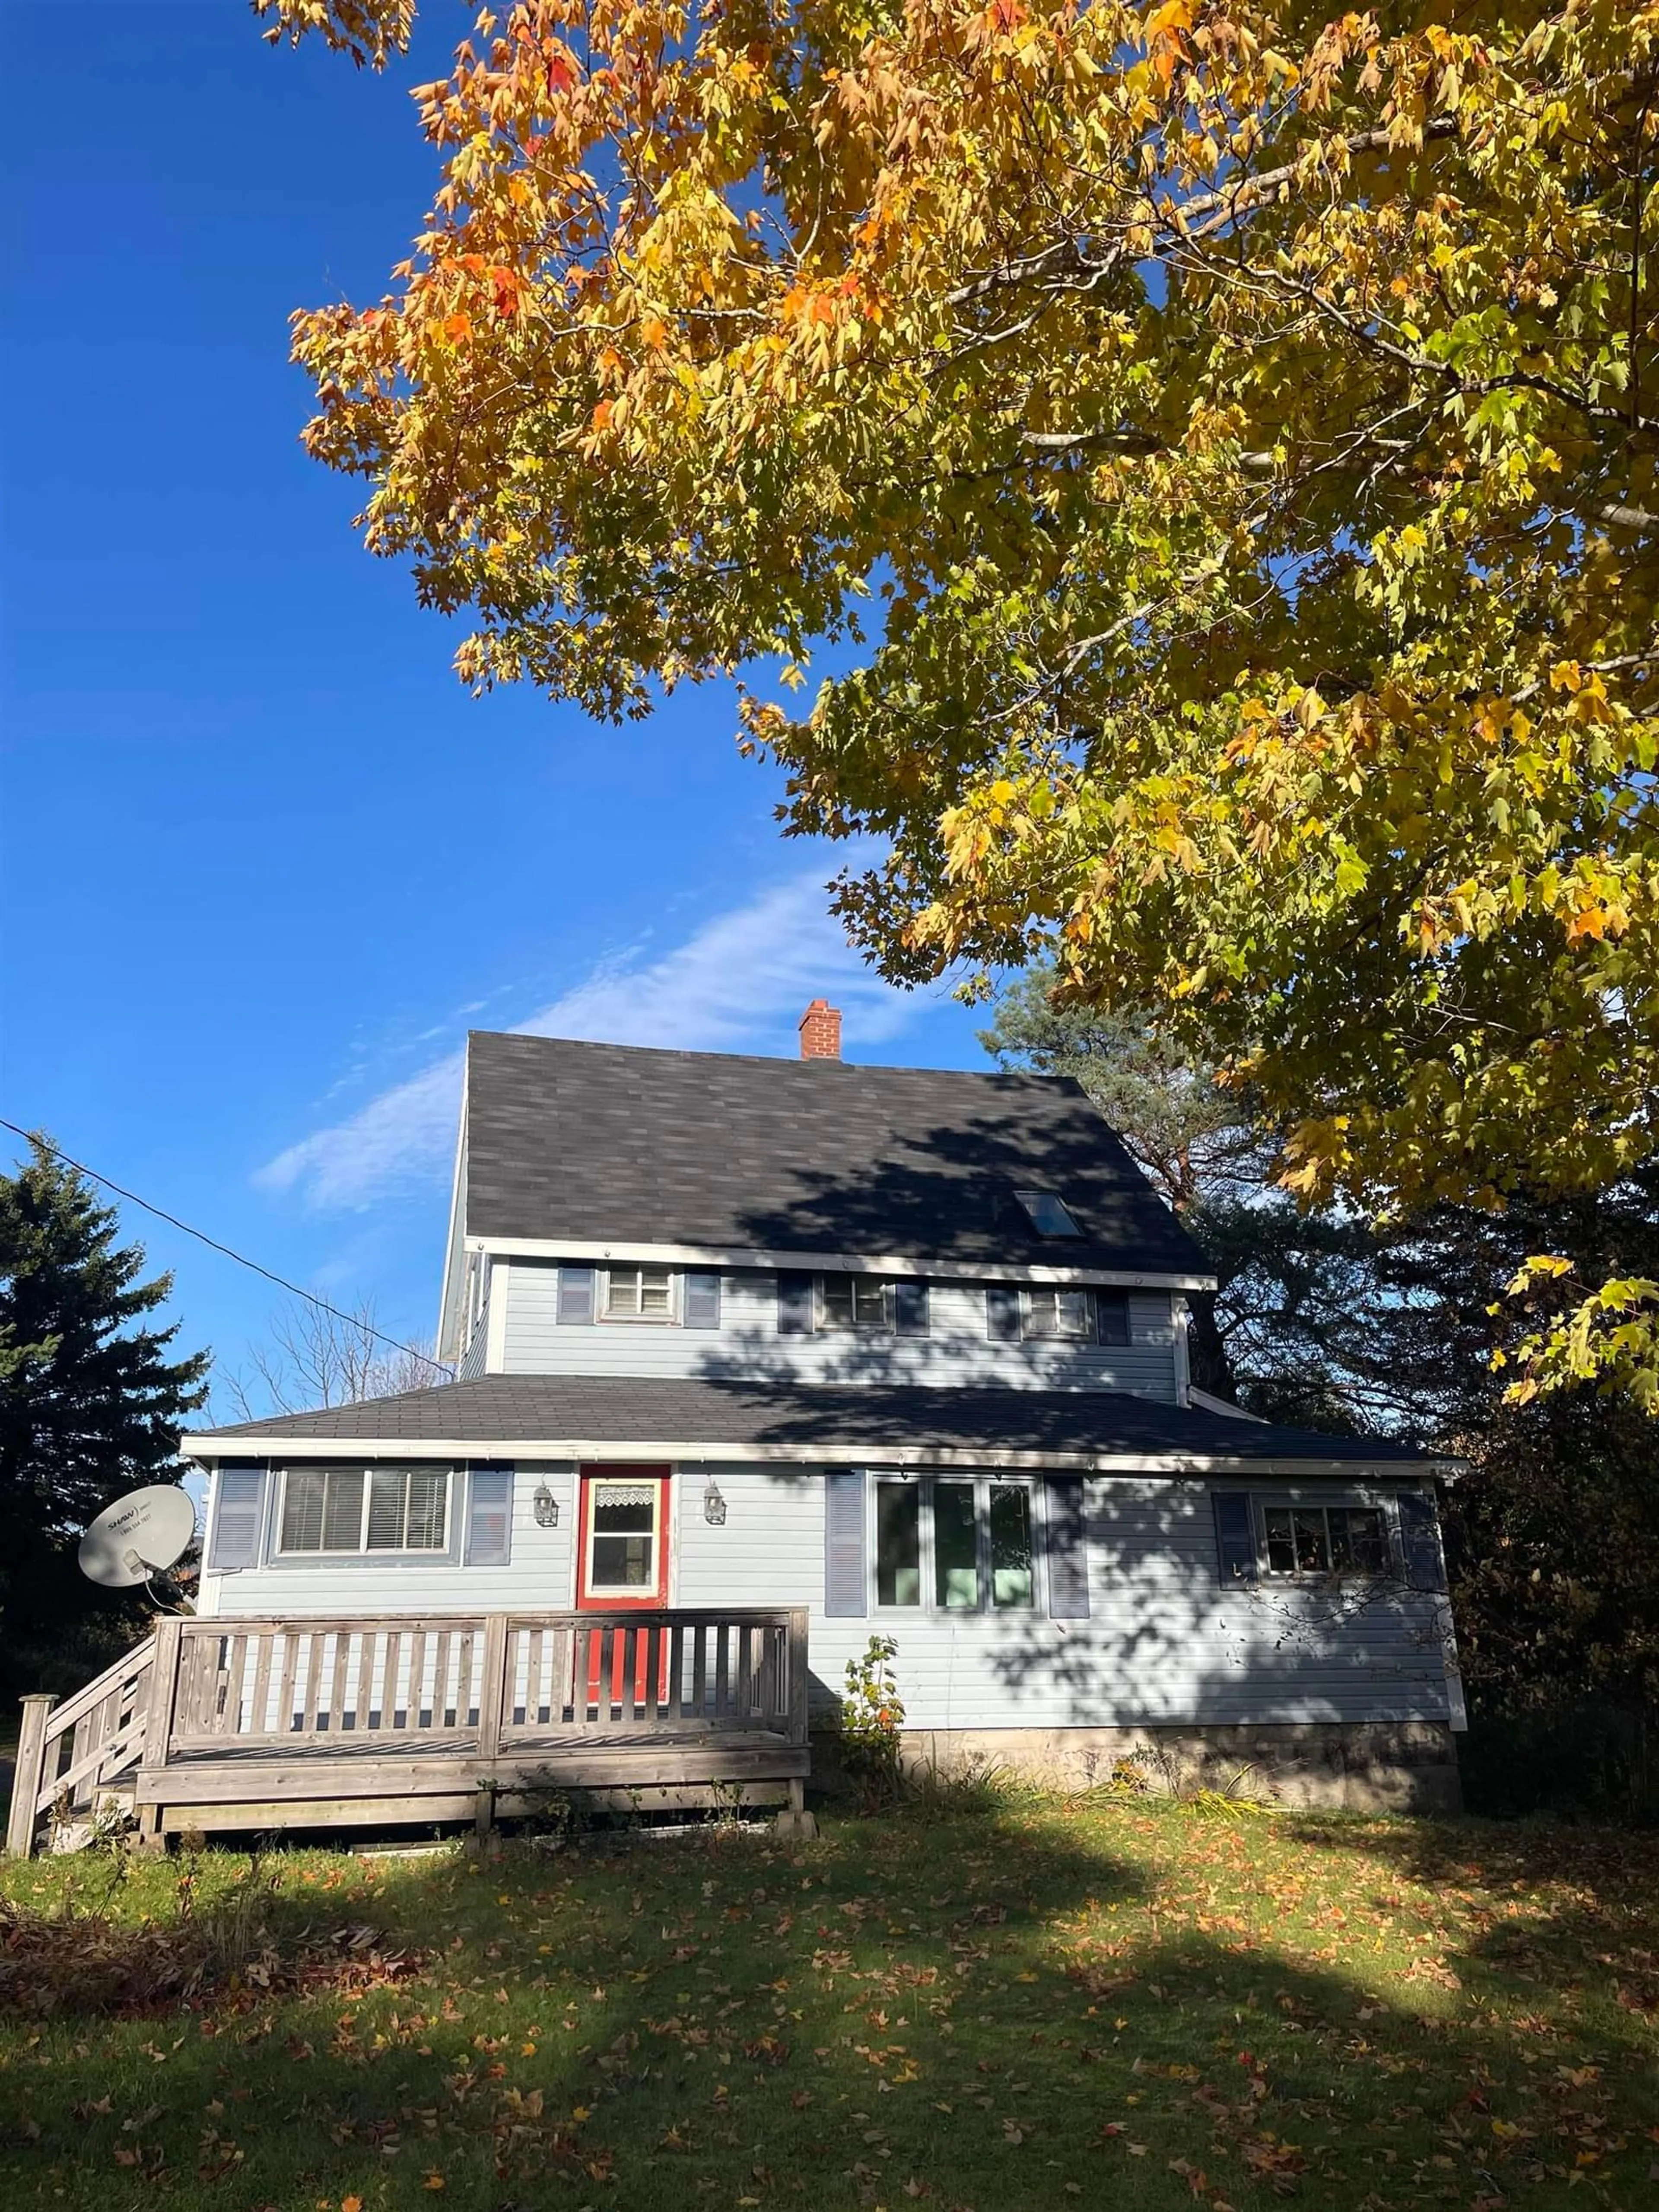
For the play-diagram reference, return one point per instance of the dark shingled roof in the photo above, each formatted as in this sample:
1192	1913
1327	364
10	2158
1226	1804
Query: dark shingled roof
625	1145
823	1420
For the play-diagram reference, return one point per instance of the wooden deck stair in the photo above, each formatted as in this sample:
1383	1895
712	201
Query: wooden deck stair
256	1724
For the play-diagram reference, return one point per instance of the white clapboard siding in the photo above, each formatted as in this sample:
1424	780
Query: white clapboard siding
1164	1642
956	1352
475	1360
539	1578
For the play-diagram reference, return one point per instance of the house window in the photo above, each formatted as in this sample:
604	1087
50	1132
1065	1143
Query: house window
898	1543
954	1546
638	1294
1050	1216
1324	1539
854	1302
623	1535
1059	1313
352	1509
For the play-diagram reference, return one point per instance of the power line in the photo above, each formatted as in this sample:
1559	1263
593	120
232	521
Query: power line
352	1321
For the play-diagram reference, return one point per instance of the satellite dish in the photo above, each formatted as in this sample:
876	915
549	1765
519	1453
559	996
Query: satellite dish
138	1536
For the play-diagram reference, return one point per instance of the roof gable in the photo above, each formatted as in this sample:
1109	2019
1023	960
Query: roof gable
629	1145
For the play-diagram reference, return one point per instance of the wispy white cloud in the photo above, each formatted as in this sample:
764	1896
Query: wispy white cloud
738	984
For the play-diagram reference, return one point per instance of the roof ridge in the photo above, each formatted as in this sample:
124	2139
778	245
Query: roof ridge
879	1067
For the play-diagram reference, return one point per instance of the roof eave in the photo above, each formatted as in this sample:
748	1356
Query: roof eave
209	1449
840	1263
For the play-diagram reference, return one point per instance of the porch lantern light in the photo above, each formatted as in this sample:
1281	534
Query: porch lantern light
714	1505
545	1507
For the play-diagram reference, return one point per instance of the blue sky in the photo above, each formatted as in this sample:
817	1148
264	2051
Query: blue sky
264	860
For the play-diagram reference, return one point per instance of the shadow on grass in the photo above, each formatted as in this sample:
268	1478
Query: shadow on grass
1007	2011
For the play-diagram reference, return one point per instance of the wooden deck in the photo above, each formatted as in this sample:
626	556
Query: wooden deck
296	1723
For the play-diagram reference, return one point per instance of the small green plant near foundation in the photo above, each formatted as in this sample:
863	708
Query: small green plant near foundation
975	1785
871	1724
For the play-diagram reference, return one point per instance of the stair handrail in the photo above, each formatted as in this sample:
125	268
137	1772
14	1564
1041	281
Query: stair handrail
46	1724
132	1663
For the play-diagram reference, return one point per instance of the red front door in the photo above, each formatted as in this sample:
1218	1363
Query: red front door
622	1562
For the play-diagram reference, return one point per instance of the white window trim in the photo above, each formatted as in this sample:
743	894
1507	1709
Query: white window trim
983	1480
591	1484
1302	1501
435	1554
672	1319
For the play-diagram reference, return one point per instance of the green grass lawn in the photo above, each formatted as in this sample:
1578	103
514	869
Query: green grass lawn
1130	2004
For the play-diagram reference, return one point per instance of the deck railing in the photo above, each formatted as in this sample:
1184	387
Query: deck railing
469	1688
68	1755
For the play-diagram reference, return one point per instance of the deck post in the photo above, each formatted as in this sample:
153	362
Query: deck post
492	1690
158	1718
798	1714
25	1779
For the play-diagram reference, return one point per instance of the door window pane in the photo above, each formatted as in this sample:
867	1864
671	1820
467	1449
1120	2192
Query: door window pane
622	1547
956	1547
1010	1544
898	1543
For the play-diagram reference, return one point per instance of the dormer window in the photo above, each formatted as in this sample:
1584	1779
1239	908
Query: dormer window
1050	1216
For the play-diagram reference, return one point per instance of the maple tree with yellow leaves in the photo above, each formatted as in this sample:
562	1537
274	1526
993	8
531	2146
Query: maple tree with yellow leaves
1229	433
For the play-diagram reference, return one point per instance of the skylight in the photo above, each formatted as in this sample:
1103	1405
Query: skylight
1049	1216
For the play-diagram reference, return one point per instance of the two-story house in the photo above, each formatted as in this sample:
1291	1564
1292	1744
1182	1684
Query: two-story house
756	1358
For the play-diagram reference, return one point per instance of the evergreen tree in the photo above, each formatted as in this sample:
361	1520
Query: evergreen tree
90	1407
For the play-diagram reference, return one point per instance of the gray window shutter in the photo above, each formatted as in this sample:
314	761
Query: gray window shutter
1420	1542
910	1308
1066	1539
843	1542
575	1294
702	1301
795	1307
1234	1536
490	1516
1112	1316
239	1517
1002	1312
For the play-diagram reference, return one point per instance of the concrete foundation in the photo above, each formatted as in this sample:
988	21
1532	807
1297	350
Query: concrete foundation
1350	1767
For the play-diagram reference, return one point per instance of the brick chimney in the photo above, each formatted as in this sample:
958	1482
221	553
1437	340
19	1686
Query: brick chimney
820	1031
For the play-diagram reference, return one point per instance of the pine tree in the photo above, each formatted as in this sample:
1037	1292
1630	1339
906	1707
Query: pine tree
90	1407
